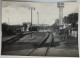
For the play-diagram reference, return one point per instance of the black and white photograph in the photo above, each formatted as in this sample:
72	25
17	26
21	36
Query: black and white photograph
40	28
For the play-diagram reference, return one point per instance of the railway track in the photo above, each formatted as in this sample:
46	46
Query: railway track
50	44
14	39
49	39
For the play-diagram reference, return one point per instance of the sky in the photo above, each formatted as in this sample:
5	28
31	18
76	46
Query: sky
19	12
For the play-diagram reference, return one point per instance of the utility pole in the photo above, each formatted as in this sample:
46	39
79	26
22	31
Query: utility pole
38	17
38	23
8	24
38	20
8	21
32	8
31	22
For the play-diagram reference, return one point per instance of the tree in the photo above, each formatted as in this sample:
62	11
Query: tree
65	20
57	21
55	26
71	19
6	29
73	24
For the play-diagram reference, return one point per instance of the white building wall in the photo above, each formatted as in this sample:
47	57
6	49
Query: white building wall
74	33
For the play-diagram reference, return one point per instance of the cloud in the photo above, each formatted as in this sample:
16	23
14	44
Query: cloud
19	12
15	4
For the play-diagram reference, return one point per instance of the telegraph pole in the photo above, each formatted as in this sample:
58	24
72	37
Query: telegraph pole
31	22
32	8
38	22
38	17
8	21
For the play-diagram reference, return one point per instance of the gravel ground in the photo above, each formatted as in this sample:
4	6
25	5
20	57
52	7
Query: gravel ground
61	47
8	37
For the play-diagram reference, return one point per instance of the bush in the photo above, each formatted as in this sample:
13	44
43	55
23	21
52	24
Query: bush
6	30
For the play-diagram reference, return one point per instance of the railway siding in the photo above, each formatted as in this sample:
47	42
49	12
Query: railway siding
13	39
40	50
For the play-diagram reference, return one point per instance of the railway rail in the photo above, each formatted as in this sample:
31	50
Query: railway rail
50	44
14	39
49	37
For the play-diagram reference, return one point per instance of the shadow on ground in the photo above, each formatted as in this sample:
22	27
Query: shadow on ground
25	45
